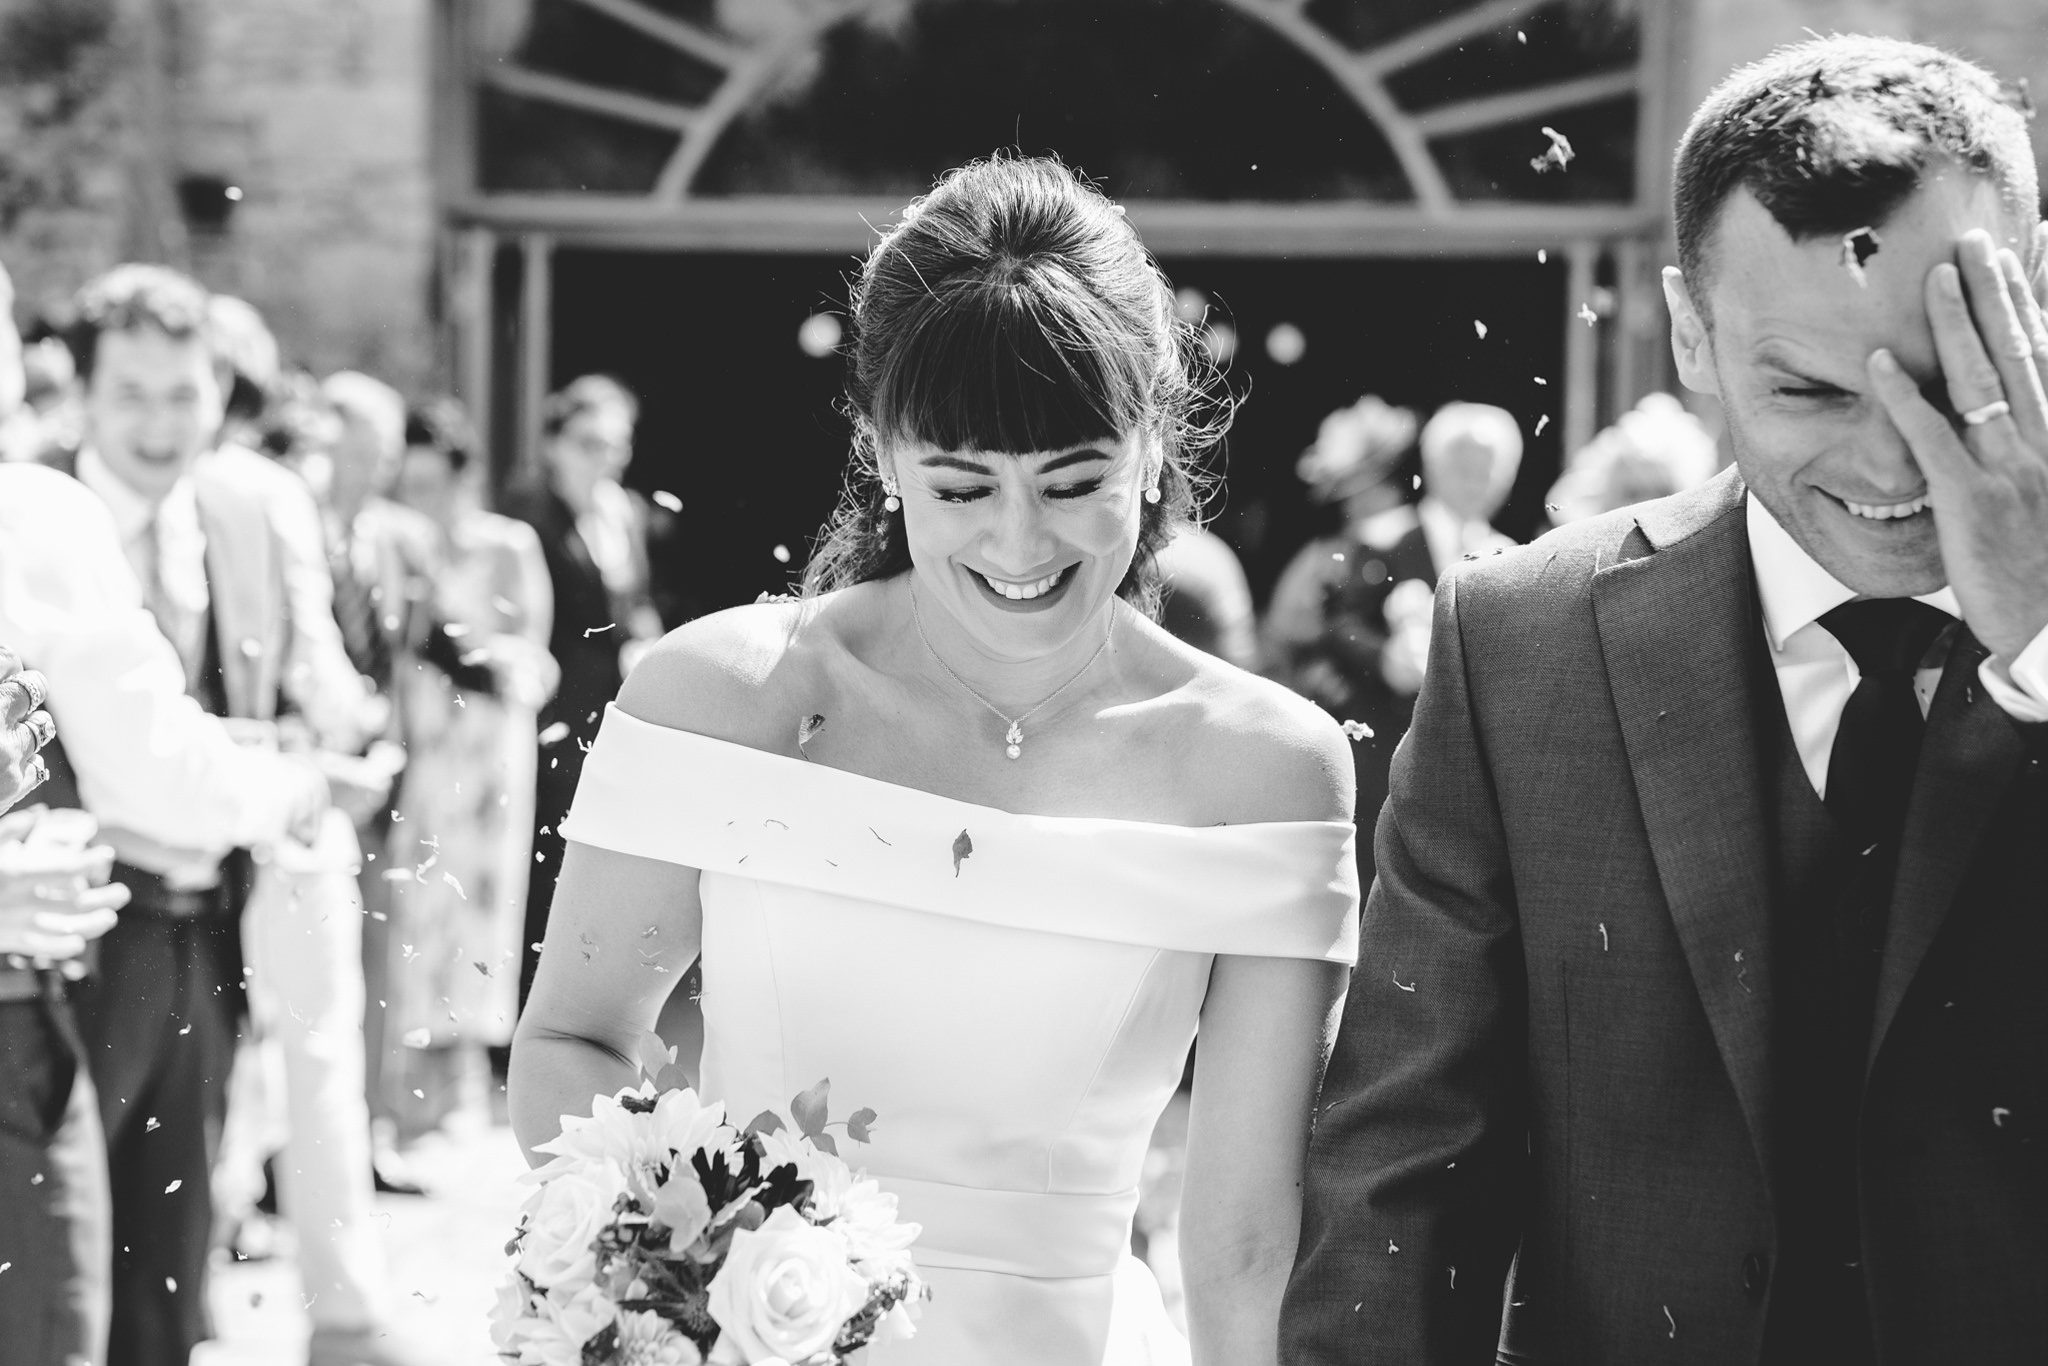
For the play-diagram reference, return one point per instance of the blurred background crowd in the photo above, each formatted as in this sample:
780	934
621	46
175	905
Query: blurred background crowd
536	306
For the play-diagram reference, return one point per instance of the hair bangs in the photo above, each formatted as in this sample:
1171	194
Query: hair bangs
1006	370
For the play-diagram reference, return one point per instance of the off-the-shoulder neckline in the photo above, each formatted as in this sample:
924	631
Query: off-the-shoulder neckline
805	765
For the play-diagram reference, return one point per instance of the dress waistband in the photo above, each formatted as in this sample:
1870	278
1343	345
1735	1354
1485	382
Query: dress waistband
1019	1233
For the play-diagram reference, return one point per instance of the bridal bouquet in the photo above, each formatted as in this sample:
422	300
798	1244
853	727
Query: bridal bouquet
661	1235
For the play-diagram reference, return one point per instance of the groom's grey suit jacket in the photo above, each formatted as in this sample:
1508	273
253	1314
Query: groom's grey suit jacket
1559	1036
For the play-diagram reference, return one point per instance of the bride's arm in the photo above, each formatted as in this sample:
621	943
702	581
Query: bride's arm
621	933
1265	1034
1266	1031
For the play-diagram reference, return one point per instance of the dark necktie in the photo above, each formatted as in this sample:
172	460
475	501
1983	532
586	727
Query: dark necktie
1870	768
355	608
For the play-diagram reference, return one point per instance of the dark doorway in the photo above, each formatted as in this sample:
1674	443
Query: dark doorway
741	425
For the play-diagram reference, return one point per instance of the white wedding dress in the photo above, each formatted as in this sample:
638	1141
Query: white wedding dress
1015	995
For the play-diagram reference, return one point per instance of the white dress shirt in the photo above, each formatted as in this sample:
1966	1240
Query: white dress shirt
148	758
165	543
1816	673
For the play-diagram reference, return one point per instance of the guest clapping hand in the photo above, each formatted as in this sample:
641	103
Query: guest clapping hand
27	729
53	894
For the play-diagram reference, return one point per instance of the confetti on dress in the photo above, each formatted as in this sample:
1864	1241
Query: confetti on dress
963	847
1558	154
1857	248
807	730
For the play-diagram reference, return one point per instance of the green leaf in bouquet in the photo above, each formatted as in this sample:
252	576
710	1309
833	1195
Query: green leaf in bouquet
603	1348
672	1078
654	1054
767	1122
859	1127
825	1143
810	1110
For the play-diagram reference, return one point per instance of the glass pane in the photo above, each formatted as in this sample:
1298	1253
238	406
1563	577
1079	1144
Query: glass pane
1185	99
536	145
1575	38
566	39
1495	163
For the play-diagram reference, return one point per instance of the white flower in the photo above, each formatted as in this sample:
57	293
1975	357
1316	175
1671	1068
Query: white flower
861	1212
784	1149
563	1219
506	1312
555	1336
680	1204
899	1324
785	1290
641	1144
651	1340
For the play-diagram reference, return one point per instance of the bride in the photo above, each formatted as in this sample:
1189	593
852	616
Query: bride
964	831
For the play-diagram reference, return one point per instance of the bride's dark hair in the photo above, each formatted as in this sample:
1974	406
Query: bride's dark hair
1013	310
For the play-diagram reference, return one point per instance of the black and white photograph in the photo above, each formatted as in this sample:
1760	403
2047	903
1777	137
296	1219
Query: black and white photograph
1023	683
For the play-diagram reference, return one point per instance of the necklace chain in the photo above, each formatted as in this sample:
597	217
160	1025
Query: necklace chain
1013	737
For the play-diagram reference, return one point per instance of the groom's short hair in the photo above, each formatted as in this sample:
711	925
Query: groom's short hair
1833	134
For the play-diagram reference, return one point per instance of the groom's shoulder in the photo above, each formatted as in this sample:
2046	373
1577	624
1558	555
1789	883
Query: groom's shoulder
1556	571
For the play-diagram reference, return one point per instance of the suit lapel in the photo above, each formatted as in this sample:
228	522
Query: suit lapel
1677	629
1968	760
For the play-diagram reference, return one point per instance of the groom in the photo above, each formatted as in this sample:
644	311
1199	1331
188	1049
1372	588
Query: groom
1703	998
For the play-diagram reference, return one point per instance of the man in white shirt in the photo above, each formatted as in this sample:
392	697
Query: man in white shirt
162	1012
1702	980
147	759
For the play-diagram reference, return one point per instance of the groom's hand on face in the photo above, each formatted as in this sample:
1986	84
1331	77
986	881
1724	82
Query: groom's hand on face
1988	478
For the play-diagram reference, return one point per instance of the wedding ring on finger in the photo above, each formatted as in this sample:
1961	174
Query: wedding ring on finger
42	729
1977	417
31	686
38	772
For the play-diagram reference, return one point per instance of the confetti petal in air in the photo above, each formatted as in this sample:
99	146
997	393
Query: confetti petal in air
1559	153
1480	328
1858	247
418	1038
781	554
963	846
1357	730
555	734
1587	316
1541	423
172	1188
663	498
590	631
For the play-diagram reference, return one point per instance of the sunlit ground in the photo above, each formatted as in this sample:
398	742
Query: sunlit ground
447	1252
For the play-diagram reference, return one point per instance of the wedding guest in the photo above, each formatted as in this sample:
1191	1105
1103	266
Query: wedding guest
1348	625
594	542
1702	980
466	829
380	558
1205	599
1654	450
145	759
965	775
160	1015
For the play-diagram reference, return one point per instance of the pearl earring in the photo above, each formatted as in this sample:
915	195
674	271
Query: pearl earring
890	502
1152	494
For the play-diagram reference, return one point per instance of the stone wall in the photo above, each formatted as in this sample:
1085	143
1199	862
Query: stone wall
315	111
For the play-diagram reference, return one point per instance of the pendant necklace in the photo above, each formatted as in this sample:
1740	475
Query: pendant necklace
1013	738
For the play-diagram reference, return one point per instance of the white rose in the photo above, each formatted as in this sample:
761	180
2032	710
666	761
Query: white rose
563	1219
555	1336
651	1340
785	1290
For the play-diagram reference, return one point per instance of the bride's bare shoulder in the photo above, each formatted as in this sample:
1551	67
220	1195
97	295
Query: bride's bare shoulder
1268	753
738	674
